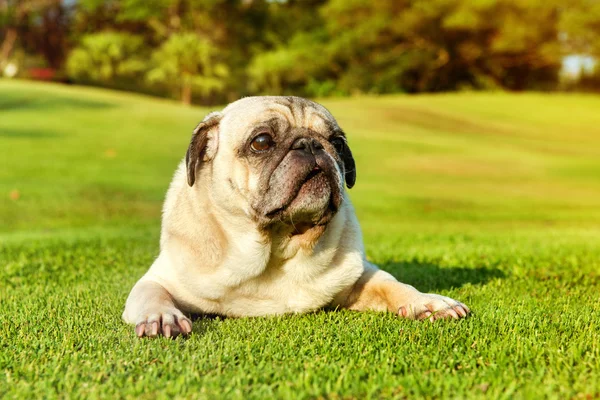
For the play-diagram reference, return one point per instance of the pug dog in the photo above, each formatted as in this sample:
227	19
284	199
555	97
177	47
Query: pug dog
257	222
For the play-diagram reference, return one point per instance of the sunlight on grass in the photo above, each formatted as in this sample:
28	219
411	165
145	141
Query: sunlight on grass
493	199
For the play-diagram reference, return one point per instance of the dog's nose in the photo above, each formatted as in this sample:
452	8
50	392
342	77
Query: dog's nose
308	145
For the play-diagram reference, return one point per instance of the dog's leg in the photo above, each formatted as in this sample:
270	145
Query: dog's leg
379	291
151	308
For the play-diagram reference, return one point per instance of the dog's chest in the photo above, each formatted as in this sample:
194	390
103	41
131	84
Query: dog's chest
297	285
251	288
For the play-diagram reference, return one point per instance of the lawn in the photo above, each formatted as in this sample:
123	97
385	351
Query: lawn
490	198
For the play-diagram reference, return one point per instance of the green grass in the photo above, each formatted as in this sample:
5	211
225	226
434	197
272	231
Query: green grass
493	199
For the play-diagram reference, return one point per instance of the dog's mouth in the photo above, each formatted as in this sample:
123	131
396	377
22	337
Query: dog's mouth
302	192
314	174
315	171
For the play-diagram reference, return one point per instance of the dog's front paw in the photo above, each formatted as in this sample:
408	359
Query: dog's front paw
433	306
168	322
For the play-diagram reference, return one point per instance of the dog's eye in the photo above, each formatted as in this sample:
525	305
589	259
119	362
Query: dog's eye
338	143
262	142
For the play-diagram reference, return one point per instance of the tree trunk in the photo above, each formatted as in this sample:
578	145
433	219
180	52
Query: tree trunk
7	45
186	93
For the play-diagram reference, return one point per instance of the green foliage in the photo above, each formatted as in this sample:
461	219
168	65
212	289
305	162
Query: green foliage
185	62
287	69
415	46
580	27
319	47
107	56
29	25
490	198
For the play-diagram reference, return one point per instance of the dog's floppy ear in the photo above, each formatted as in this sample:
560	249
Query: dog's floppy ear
349	165
197	149
343	150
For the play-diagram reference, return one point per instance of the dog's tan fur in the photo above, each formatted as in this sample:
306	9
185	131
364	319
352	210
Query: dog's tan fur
216	258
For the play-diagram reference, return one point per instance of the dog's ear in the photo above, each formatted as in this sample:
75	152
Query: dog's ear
349	165
197	150
341	147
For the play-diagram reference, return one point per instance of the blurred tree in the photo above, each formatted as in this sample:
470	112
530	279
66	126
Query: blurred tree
417	45
238	28
39	26
186	62
588	81
292	52
106	57
580	27
305	47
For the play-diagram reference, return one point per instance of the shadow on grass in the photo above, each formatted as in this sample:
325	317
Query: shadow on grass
12	133
30	103
429	277
425	276
202	324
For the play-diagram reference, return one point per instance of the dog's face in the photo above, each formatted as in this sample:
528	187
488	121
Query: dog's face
279	160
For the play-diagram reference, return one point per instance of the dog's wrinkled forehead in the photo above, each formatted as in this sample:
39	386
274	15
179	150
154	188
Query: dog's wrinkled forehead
240	116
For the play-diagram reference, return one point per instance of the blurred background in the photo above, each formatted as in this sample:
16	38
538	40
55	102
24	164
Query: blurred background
462	114
475	126
214	51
